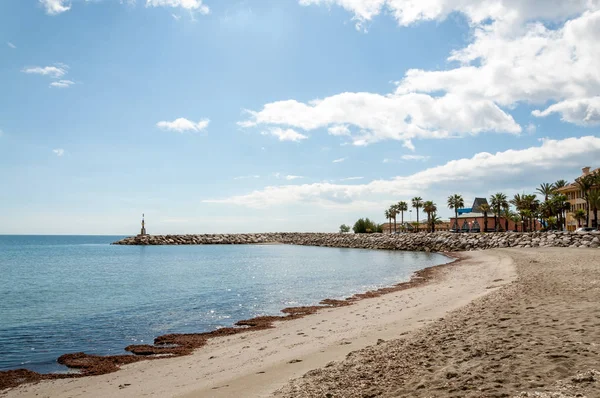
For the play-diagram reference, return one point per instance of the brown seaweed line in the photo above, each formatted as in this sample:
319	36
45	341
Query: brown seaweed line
175	345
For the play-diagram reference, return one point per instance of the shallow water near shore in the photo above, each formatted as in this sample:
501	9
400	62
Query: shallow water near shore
61	294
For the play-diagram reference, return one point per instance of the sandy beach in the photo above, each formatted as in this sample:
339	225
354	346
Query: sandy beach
497	323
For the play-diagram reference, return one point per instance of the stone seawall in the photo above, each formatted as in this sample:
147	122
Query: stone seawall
436	242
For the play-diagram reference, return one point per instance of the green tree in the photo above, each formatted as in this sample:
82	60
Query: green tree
388	216
560	184
402	207
429	207
485	208
417	203
546	189
519	204
579	215
456	202
594	198
434	221
344	229
585	184
366	226
394	213
497	202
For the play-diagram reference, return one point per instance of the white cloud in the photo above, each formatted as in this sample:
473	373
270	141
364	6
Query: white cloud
10	45
59	152
414	157
512	60
340	160
531	128
62	83
583	111
176	17
246	177
340	130
56	72
55	7
292	177
285	135
391	117
506	12
192	5
182	125
352	178
483	172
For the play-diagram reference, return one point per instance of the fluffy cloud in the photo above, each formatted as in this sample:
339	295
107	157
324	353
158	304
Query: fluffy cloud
62	83
192	5
51	71
285	134
182	125
484	172
511	60
584	111
59	152
10	45
55	7
407	12
396	117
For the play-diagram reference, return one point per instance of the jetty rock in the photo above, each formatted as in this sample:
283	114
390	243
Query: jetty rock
428	242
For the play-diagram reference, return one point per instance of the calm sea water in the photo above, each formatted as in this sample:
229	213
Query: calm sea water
61	294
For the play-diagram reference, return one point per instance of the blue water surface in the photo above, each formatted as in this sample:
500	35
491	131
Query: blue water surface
61	294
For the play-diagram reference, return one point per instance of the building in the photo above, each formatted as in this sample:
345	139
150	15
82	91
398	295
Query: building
574	196
388	228
472	219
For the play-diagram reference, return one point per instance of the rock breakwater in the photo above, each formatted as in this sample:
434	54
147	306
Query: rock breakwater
429	242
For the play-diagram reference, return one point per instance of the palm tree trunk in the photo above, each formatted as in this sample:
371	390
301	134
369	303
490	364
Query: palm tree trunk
485	222
402	213
417	219
596	216
394	224
506	222
587	213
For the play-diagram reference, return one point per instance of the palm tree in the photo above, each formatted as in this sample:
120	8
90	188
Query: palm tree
594	198
519	203
417	203
506	208
456	202
435	220
560	184
497	202
579	215
393	213
546	190
402	207
429	207
388	216
485	208
585	184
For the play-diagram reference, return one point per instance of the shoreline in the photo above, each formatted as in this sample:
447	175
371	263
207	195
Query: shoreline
258	362
81	365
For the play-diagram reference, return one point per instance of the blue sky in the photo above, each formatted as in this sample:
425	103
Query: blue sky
285	115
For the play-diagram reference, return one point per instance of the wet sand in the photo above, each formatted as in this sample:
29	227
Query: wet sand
258	362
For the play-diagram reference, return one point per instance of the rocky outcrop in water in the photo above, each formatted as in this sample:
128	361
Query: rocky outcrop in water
431	242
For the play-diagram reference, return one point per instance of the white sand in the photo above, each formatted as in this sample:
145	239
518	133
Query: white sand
258	363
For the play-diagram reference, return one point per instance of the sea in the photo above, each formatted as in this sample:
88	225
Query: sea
65	294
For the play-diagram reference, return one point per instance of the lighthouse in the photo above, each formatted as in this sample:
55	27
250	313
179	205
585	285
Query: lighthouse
143	230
